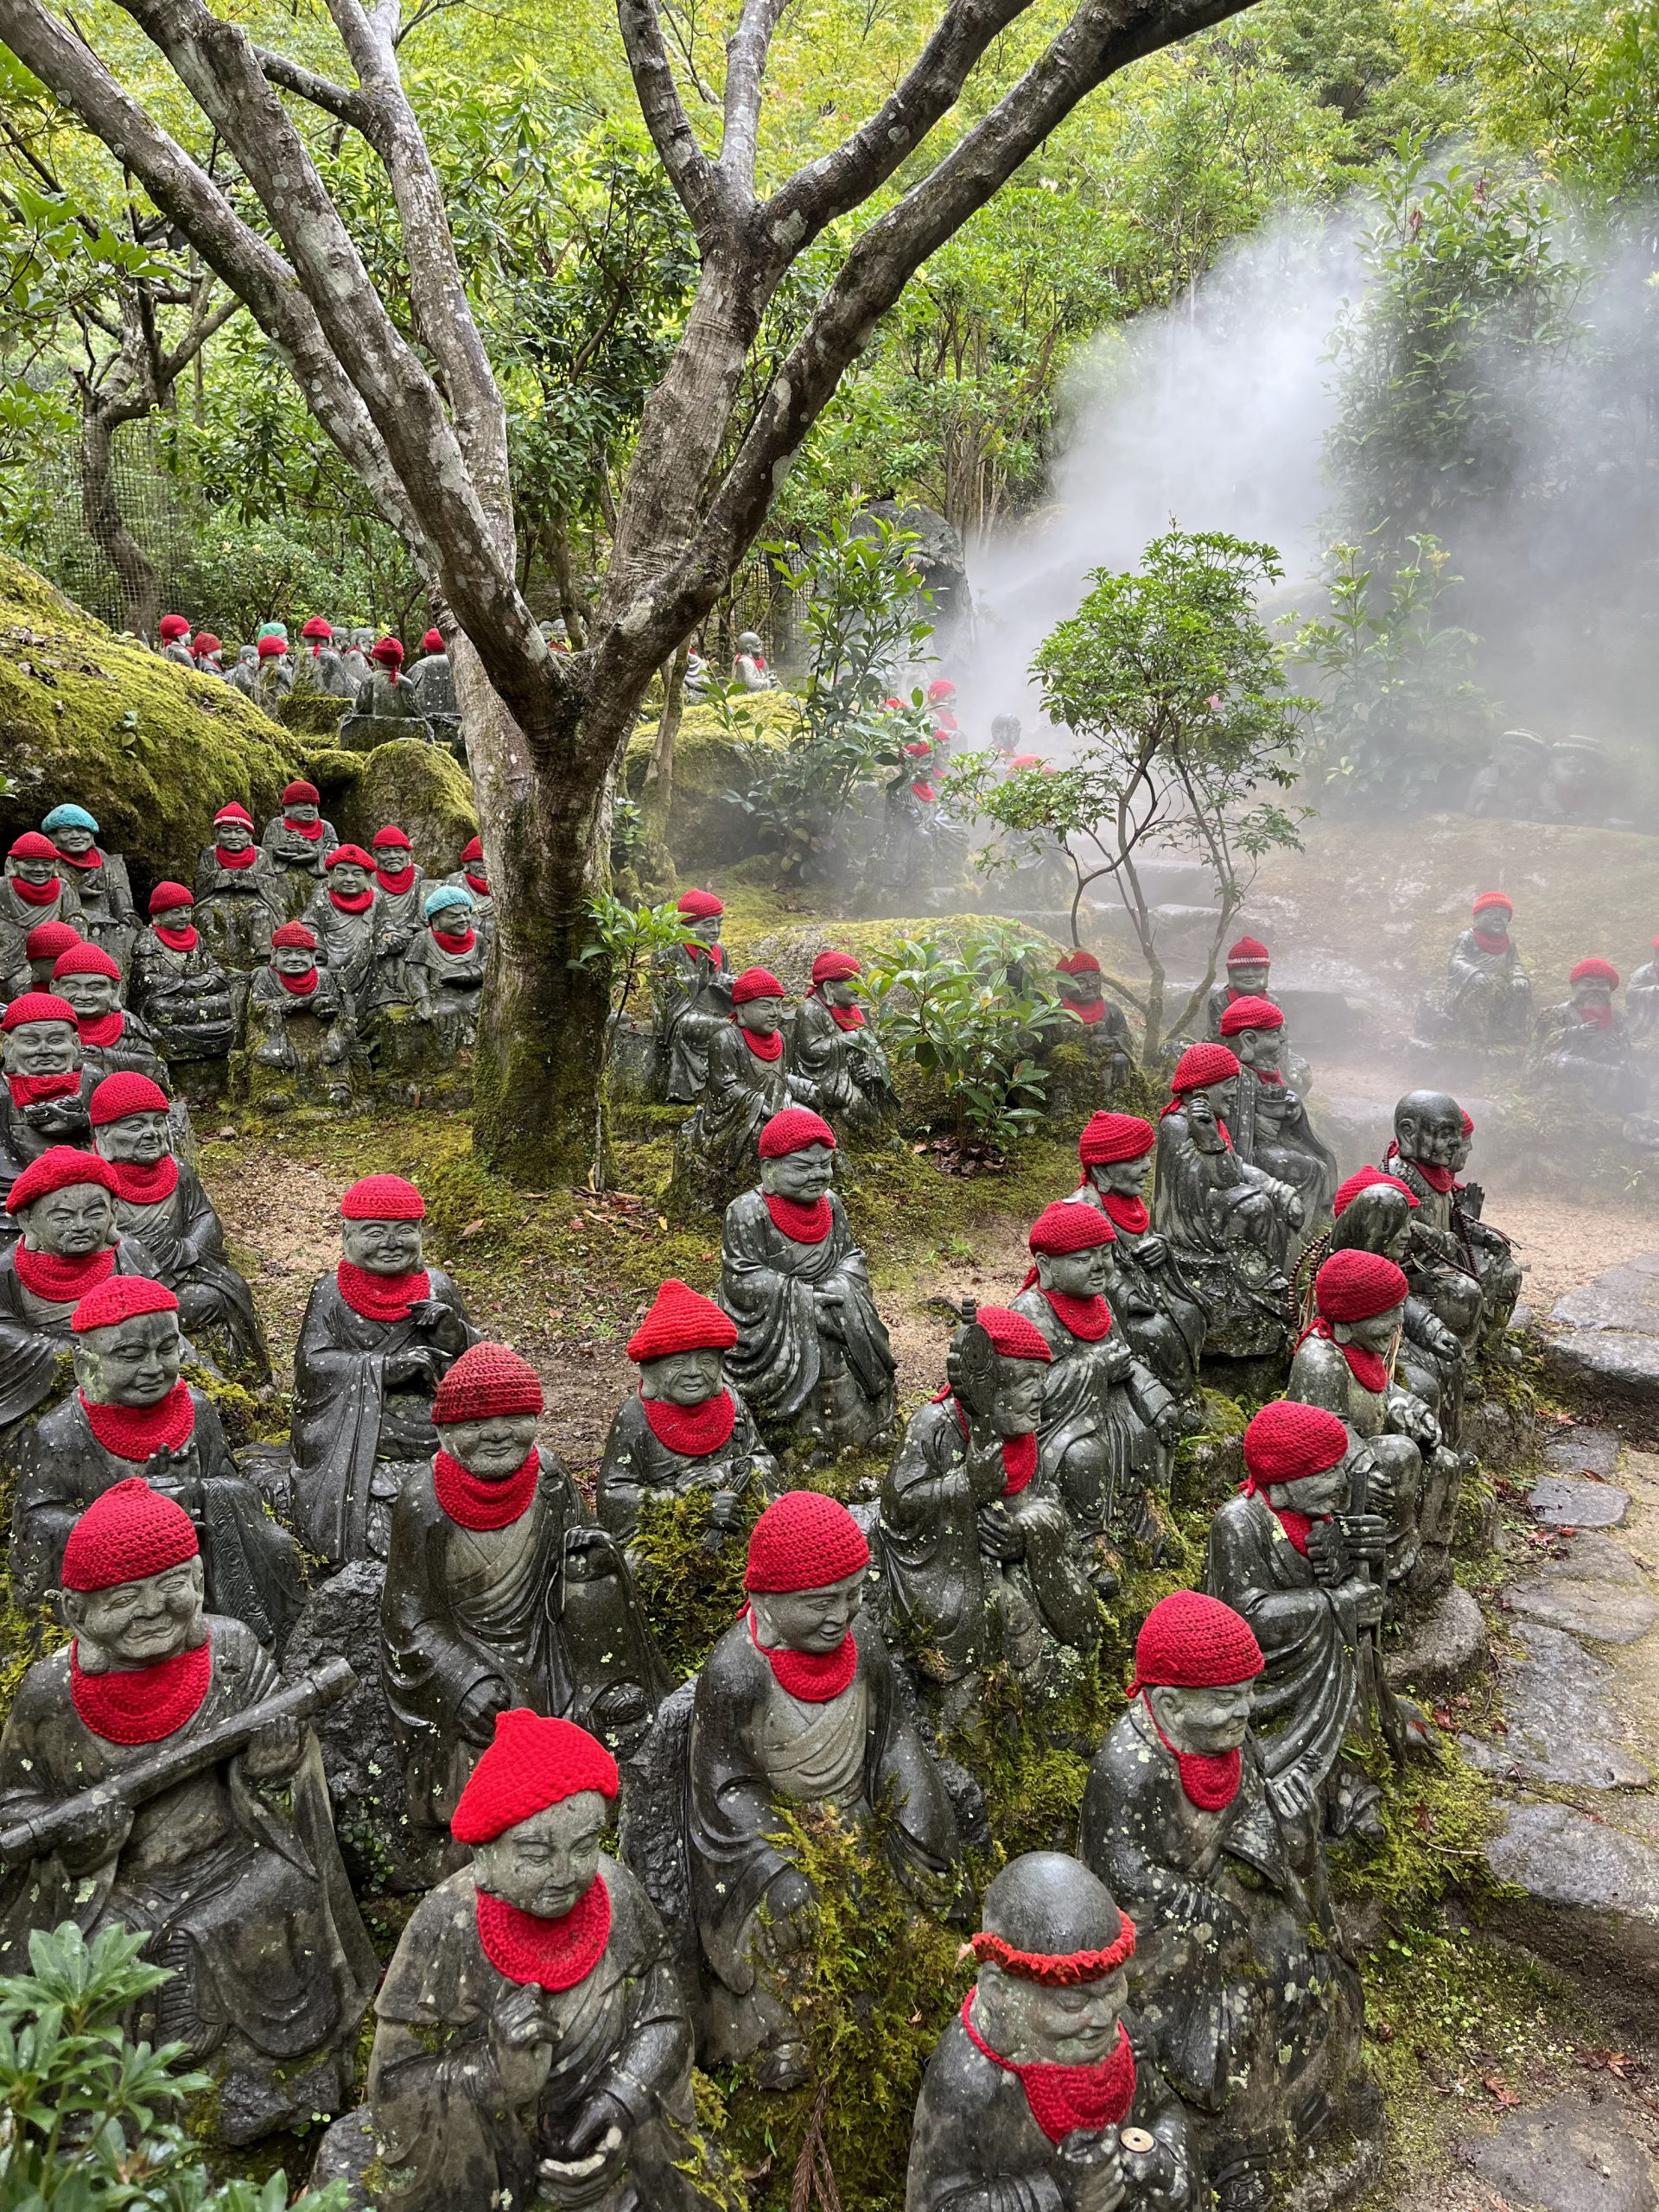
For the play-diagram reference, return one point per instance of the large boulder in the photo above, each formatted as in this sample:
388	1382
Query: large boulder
707	825
421	787
153	750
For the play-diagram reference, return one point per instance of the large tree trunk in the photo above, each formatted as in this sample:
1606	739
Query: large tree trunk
141	587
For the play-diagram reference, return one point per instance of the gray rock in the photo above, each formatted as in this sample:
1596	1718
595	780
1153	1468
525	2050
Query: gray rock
1598	1590
1568	1504
1567	2157
345	2154
1606	1334
1578	1450
1591	1903
1442	1648
1563	1725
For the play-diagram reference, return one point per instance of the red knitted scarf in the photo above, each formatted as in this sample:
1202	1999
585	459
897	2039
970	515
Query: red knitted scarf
246	858
36	894
1489	943
1127	1214
1089	1011
925	792
1019	1462
381	1298
714	954
1209	1779
352	902
177	940
764	1048
1598	1017
91	858
29	1090
103	1029
395	880
802	1224
1369	1369
298	987
815	1677
1088	1317
554	1954
692	1431
446	943
480	883
140	1705
1442	1180
310	830
138	1184
60	1282
1295	1525
1063	2099
138	1432
475	1504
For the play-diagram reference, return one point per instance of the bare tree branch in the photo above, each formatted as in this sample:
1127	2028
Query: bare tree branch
746	69
339	100
690	170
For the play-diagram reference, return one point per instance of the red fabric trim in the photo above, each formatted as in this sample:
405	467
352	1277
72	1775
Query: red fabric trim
692	1431
764	1048
103	1029
925	792
714	954
85	862
847	1017
1129	1214
554	1953
1442	1180
456	944
1598	1017
1057	1969
1209	1779
60	1281
381	1298
475	1504
1088	1317
480	883
30	1090
246	858
1295	1525
1089	1011
1019	1462
395	880
800	1222
815	1677
141	1705
297	986
138	1432
1066	2099
1369	1369
310	830
145	1186
178	940
352	902
36	894
1500	943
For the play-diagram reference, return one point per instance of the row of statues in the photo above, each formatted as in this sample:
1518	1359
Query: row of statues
382	700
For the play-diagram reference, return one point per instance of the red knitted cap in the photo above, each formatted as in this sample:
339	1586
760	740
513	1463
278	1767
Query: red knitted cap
1468	1122
391	834
682	1321
1014	1337
270	648
117	1299
235	811
300	794
1493	899
388	652
1069	1226
699	904
32	846
1595	971
793	1130
294	936
316	627
118	1096
472	849
127	1535
1077	963
487	1379
1357	1286
1251	1013
535	1761
1287	1440
58	1169
832	967
85	960
1364	1179
1248	952
804	1540
756	983
205	643
383	1198
167	895
941	688
432	642
35	1006
1201	1065
1190	1642
173	625
46	939
353	855
1114	1136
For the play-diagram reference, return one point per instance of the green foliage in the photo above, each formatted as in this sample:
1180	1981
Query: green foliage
691	1595
83	2127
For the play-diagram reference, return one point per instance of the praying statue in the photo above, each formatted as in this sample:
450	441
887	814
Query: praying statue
831	1043
1581	1046
102	888
191	1005
1161	1314
48	1087
1269	1126
443	969
813	1361
32	890
300	1020
297	842
241	895
1488	993
747	1083
749	664
693	991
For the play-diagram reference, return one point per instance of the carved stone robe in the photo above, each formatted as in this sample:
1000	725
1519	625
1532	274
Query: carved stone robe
1230	1230
1488	995
27	1131
192	1006
18	917
237	908
637	1465
104	893
298	860
1156	1308
694	991
182	1235
295	1035
133	1052
1096	1439
345	941
848	1065
740	1095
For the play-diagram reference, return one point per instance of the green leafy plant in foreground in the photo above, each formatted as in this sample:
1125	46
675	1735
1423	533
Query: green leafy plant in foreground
81	2124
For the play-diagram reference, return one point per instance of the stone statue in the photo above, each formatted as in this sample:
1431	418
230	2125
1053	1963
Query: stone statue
1642	1001
978	1556
160	1202
241	895
1042	2091
749	1083
1250	965
497	1595
1005	735
1576	782
1446	1269
1230	1227
273	678
42	947
320	670
1302	1560
432	680
1159	1313
1488	992
387	707
686	1432
297	842
174	632
443	969
472	877
132	1415
48	1087
694	998
1373	1212
1512	781
812	1360
224	1861
749	664
698	679
300	1019
531	2044
1250	2010
241	678
1109	1426
795	1707
355	657
1582	1047
207	655
1077	978
346	915
400	919
32	890
379	1336
191	1006
831	1043
113	1040
105	894
1269	1126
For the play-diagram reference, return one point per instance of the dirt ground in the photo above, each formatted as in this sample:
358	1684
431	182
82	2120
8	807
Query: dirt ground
1563	1243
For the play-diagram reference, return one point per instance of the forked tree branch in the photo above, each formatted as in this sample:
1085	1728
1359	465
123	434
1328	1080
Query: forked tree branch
690	170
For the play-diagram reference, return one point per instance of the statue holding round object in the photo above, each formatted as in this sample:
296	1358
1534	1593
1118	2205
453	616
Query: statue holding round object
191	1006
832	1043
229	1870
48	1085
35	887
113	1040
692	988
102	886
297	842
1161	1315
241	893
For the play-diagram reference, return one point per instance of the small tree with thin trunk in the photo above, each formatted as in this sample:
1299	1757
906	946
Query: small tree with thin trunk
421	417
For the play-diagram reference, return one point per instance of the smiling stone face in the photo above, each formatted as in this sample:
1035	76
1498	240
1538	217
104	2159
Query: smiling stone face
546	1864
137	1624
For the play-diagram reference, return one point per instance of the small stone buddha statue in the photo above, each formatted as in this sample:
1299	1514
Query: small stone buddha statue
1576	784
1492	1251
531	2045
1642	1000
379	1335
977	1554
432	680
1373	1212
1042	2091
160	1202
1270	1125
1077	977
47	1086
444	967
191	1005
684	1433
1249	967
42	947
1488	992
1230	1227
346	915
113	1040
102	888
749	1083
1510	782
1309	1583
1440	1264
300	1019
273	678
132	1415
1582	1046
232	1871
243	670
400	917
832	1043
1108	1428
472	878
241	894
319	671
207	655
693	990
1159	1312
386	707
812	1360
298	841
749	664
1247	2007
496	1595
34	889
174	632
354	655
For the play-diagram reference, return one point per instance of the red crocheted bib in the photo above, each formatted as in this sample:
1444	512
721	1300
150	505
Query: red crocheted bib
381	1298
764	1048
144	1185
1088	1317
475	1504
692	1431
60	1282
140	1705
31	1090
801	1224
138	1432
815	1677
1063	2099
554	1953
1209	1779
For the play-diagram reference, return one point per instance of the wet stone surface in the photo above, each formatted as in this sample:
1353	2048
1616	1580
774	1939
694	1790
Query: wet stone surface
1568	1504
1563	1724
1578	1450
1571	2156
1597	1589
